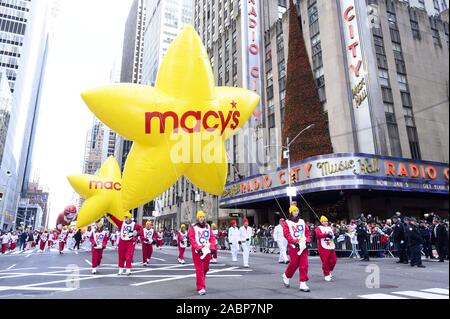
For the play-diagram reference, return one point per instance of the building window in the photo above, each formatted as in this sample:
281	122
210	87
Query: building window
394	139
384	77
435	32
402	82
413	142
414	24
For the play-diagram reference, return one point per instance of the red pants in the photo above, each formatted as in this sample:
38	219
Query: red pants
61	246
4	247
12	246
147	251
214	255
328	257
97	255
159	242
42	245
50	243
297	262
181	252
201	268
126	252
112	242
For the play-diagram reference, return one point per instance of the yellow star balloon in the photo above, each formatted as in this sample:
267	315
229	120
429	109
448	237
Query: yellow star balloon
102	193
178	127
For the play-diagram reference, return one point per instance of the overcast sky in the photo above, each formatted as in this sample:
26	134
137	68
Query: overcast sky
87	39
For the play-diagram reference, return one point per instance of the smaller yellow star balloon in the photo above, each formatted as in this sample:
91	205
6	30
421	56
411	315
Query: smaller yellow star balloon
102	193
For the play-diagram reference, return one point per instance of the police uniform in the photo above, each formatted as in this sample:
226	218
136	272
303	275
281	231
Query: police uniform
415	242
399	237
363	239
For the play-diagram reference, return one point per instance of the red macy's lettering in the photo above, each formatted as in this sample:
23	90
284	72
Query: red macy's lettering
105	185
221	120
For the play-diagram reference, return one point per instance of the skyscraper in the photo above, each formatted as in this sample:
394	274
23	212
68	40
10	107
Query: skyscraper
23	47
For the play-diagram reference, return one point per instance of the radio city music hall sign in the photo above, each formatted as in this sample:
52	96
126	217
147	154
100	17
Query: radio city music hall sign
329	166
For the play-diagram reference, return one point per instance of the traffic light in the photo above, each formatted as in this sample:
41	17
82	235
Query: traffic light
1	196
294	177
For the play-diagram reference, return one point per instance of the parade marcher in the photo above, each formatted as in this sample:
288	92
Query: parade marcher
216	234
30	239
182	243
98	240
440	239
77	237
23	238
129	233
297	233
415	242
86	237
148	238
5	238
113	238
362	234
234	239
281	242
62	238
13	241
70	240
245	233
202	245
43	241
326	247
160	238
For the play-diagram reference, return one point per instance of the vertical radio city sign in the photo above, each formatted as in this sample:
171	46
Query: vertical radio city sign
251	46
357	74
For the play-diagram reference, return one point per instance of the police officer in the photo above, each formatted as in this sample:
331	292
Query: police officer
362	235
440	238
426	236
398	235
415	242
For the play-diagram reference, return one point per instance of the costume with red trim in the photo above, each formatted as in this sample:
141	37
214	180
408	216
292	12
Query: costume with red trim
98	240
128	237
4	239
62	238
159	239
43	240
325	244
202	243
297	233
182	244
148	237
13	242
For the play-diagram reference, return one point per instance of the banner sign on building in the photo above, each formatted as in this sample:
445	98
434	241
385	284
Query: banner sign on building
342	171
357	74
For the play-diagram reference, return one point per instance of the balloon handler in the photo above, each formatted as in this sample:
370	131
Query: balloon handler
325	244
182	243
296	232
203	244
99	240
129	233
148	239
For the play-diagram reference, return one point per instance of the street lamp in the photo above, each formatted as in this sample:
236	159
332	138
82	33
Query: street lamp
287	153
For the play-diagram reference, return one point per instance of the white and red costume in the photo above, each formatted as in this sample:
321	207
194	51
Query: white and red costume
182	244
201	239
13	242
5	238
98	240
159	239
127	241
62	237
147	238
325	244
112	238
43	241
216	236
296	232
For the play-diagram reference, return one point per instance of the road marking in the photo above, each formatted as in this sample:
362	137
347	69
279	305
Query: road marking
10	267
76	252
178	277
18	269
158	259
28	251
437	291
419	294
88	262
3	288
27	255
16	252
381	296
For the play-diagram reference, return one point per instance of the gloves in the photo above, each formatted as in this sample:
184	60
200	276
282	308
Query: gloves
330	235
308	246
401	242
297	245
199	251
213	251
239	242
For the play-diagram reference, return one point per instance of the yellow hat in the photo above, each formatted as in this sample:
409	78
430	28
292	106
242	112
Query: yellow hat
200	214
65	227
148	223
293	209
213	225
127	214
323	219
100	223
183	226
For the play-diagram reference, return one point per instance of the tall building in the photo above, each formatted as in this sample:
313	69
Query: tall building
165	19
33	207
94	148
387	109
23	46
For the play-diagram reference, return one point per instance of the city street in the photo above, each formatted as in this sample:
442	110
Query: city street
50	275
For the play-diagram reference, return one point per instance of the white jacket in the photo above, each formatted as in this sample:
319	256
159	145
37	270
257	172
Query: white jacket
278	234
246	234
234	235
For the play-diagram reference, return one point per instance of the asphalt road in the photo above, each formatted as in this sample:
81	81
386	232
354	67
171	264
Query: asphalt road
68	276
